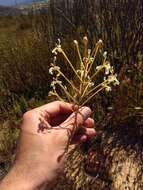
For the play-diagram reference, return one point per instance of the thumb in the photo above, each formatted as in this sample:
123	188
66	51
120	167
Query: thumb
76	119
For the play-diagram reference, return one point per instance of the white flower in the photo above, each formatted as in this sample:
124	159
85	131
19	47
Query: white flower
58	82
75	42
53	85
105	54
113	79
88	78
54	82
85	39
100	41
111	70
54	59
107	68
58	48
59	42
91	59
51	70
65	87
90	84
116	83
54	68
54	51
108	88
89	52
99	67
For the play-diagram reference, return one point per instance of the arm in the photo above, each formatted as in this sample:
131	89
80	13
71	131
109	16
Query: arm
45	135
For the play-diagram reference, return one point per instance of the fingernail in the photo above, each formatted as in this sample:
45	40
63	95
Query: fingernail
86	112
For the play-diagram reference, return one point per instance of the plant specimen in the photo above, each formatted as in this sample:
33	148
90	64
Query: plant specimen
84	86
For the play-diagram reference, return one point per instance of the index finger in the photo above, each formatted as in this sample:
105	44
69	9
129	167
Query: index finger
57	107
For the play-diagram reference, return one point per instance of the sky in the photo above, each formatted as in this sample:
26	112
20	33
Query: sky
11	2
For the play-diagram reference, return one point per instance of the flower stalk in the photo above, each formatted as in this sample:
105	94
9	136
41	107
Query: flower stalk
82	89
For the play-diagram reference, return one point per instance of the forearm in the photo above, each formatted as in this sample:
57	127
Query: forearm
16	180
20	177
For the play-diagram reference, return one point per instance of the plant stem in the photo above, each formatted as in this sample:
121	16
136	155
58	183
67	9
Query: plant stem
70	64
68	94
94	56
80	58
103	66
56	94
84	92
68	81
96	87
92	96
96	73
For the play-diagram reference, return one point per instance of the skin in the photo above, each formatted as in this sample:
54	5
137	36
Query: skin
46	133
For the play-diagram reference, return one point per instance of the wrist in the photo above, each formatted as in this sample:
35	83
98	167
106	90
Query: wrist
16	179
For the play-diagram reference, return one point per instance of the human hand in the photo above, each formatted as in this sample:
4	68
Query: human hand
45	135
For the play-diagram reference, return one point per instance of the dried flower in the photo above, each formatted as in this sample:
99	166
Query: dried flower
113	79
105	54
108	88
85	40
82	89
54	70
76	42
107	68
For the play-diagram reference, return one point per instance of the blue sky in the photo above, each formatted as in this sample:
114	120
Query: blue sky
11	2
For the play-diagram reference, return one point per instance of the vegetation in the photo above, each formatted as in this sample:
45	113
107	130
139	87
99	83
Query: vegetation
26	42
